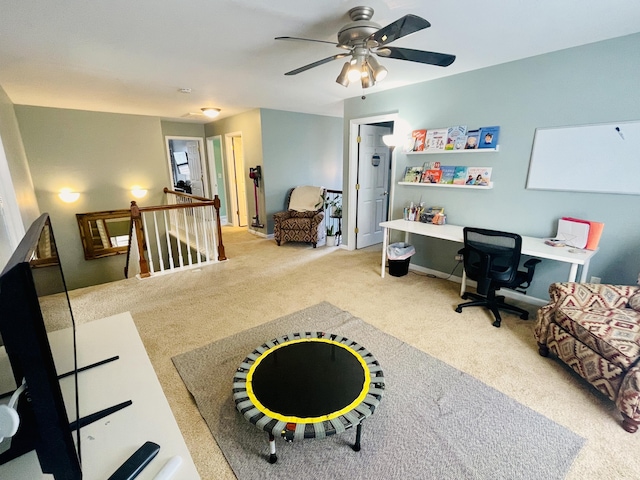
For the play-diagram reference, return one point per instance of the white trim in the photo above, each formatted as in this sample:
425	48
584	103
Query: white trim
354	123
203	160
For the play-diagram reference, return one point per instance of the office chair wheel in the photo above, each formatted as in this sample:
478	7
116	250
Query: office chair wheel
496	324
458	309
525	316
464	296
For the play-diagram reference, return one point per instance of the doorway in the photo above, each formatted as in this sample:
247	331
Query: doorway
370	180
236	180
187	169
217	175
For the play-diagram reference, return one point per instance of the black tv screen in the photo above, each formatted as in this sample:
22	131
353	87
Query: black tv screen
34	301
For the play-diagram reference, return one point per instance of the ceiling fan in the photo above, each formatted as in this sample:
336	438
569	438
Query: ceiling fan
364	39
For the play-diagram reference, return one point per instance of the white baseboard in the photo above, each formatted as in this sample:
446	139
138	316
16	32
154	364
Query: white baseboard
512	294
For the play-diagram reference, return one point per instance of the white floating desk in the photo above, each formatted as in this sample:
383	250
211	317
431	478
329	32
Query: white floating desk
531	246
107	443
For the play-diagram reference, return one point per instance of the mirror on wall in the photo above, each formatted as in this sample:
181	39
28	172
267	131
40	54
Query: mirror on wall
105	233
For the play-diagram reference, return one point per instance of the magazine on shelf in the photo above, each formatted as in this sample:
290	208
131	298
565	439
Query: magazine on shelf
419	137
480	176
412	174
431	176
452	136
488	137
436	140
459	175
446	176
472	140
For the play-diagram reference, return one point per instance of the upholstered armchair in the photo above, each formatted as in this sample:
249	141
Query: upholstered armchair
595	329
303	220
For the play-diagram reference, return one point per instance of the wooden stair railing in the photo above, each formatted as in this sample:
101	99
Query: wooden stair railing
188	202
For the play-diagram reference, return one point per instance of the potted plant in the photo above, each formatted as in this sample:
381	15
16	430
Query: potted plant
334	206
331	237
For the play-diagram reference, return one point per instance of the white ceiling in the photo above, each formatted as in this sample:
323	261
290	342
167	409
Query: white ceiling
132	57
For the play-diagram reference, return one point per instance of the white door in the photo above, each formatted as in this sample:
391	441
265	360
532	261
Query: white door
373	181
196	166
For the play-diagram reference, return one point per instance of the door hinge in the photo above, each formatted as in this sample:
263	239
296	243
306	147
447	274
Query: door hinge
356	230
358	139
357	186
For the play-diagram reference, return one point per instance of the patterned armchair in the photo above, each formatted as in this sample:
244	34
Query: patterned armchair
595	329
303	221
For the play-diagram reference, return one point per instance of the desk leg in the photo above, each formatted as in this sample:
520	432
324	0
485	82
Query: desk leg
573	273
385	243
463	285
585	269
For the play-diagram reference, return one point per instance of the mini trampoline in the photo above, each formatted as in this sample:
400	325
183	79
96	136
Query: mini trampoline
308	385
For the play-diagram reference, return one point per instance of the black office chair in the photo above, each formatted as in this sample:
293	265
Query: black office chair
492	258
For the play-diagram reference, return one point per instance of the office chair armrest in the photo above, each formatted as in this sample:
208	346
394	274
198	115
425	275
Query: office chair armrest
530	265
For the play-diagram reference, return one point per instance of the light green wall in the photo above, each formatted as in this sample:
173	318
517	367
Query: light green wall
589	84
100	155
248	125
182	129
299	149
222	188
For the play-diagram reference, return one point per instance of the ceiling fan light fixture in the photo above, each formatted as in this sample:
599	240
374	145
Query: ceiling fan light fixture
211	112
355	71
343	78
379	72
366	76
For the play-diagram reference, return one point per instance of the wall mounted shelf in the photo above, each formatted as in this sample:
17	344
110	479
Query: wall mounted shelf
448	185
475	150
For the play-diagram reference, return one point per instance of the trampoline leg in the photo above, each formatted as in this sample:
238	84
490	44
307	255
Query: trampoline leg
356	447
273	458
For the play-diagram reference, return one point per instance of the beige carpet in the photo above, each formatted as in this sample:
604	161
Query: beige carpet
434	422
261	282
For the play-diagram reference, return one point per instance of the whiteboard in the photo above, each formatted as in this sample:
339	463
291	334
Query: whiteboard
602	158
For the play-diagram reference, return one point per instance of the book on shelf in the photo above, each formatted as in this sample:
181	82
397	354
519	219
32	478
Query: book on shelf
452	135
472	140
436	140
489	137
459	175
431	176
412	174
461	141
446	175
431	166
480	176
419	137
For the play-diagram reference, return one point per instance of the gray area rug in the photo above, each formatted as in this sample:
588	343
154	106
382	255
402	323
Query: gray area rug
434	422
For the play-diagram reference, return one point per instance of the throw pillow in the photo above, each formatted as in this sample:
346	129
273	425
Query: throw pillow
306	199
634	302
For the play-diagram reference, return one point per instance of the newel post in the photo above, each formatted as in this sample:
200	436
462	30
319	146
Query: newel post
216	205
136	219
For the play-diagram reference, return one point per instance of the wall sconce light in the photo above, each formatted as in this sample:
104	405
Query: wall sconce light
68	196
138	192
211	112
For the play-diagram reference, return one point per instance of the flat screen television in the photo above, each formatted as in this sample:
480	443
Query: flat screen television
33	300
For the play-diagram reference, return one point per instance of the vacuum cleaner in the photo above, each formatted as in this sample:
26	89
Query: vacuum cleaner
255	174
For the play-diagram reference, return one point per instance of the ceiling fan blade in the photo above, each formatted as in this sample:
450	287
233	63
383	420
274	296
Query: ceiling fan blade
400	28
306	40
420	56
318	63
